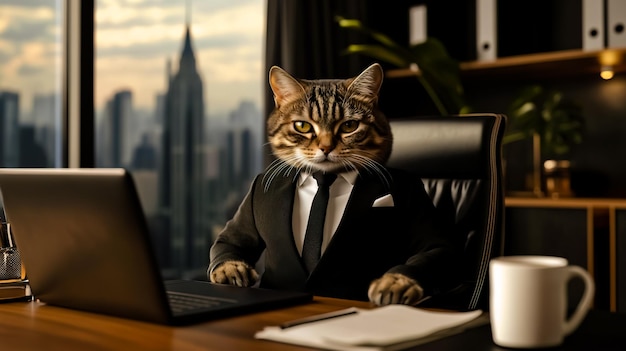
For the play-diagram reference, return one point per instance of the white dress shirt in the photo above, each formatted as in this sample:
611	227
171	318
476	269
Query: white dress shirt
305	191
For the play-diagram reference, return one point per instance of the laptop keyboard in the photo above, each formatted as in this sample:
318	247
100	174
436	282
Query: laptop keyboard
182	302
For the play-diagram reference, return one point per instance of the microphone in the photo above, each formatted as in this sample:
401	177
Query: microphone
10	261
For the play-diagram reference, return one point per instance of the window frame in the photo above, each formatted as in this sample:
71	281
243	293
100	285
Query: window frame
78	109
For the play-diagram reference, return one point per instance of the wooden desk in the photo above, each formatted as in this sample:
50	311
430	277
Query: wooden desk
35	326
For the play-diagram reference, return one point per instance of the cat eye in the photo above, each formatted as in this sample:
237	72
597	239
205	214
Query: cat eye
303	127
349	126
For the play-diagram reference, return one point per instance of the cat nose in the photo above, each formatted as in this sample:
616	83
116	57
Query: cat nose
325	143
326	149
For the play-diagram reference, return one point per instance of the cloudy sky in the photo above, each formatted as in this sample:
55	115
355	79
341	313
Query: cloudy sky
134	41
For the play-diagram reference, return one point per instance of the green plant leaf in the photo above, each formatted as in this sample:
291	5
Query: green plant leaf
383	39
430	50
438	73
556	119
378	52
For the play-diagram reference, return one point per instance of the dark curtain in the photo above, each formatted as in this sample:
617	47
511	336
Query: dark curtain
304	39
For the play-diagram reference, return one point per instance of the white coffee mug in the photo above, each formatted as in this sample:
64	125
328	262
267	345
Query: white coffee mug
528	300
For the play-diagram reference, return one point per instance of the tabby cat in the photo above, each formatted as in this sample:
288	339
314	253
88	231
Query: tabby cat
330	126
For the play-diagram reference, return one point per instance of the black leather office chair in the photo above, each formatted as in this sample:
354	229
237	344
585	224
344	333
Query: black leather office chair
460	162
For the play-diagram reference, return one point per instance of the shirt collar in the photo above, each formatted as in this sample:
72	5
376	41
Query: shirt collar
349	177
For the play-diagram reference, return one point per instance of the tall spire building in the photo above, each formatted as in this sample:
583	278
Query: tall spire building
182	175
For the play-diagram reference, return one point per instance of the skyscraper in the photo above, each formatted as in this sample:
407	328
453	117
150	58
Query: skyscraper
47	122
182	175
118	132
9	129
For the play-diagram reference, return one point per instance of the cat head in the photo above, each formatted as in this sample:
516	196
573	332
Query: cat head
330	125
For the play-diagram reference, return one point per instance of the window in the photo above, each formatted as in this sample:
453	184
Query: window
30	83
178	100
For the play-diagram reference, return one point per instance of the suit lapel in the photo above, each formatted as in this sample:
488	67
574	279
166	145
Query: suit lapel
278	208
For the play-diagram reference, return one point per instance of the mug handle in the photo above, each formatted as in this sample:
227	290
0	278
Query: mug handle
585	302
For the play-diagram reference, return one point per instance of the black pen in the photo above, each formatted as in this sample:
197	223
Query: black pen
320	317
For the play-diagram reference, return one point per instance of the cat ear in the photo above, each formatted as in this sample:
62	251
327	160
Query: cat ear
285	87
367	84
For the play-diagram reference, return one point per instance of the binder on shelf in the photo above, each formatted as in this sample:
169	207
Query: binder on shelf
593	24
616	22
418	26
486	30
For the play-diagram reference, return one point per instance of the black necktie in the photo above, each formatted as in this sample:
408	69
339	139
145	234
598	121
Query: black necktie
312	249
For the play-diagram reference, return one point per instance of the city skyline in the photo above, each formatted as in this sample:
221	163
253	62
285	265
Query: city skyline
134	40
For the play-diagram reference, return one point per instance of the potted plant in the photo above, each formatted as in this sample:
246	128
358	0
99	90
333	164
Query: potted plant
555	124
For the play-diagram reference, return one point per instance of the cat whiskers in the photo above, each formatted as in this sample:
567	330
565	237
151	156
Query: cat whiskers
371	166
285	167
276	167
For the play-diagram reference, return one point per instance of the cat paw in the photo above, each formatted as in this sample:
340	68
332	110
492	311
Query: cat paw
234	273
395	288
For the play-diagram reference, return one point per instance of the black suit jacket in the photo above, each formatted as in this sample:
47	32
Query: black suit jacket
407	238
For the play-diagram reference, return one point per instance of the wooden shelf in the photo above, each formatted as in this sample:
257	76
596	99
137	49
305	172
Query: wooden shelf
565	202
563	64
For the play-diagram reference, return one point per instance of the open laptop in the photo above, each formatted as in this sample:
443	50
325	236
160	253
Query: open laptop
85	245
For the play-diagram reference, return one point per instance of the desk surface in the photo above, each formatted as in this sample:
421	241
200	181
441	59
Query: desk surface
35	326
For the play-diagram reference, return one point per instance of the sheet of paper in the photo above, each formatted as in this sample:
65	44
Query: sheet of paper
377	329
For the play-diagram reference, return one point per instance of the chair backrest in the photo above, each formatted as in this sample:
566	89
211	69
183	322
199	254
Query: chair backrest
459	159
